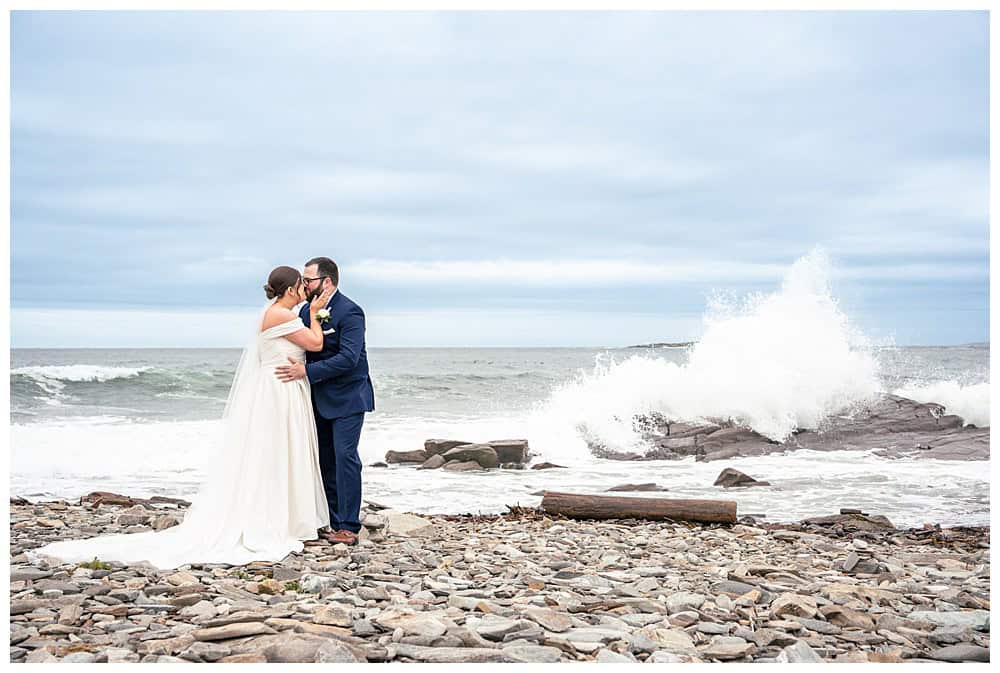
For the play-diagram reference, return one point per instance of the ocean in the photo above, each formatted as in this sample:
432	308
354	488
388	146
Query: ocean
142	421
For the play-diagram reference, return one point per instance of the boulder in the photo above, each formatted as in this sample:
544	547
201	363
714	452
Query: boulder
510	450
462	466
433	462
546	466
730	478
395	457
137	515
484	454
165	521
106	498
439	446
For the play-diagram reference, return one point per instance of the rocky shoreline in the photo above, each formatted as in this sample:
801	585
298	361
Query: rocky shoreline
897	427
524	586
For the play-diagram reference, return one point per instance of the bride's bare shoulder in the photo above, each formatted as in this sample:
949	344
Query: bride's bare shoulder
277	315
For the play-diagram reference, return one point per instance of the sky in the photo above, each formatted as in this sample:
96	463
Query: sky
490	178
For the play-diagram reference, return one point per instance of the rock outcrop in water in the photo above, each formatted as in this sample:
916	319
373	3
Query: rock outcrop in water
456	455
894	426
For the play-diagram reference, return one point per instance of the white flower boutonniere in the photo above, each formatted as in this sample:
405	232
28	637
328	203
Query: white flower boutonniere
323	315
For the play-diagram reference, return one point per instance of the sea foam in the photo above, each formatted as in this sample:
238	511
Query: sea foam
971	402
772	362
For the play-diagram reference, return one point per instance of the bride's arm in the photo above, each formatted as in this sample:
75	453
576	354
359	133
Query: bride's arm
311	338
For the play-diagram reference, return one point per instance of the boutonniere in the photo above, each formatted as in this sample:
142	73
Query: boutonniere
323	315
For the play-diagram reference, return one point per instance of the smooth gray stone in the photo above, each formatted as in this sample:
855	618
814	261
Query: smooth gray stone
962	652
973	619
534	654
449	655
799	653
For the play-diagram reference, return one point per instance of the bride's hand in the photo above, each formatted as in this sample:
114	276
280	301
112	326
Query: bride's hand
320	301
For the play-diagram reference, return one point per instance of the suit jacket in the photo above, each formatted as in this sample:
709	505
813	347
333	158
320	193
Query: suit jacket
338	374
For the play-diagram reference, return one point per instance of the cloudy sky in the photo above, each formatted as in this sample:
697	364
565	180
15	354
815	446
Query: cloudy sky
494	178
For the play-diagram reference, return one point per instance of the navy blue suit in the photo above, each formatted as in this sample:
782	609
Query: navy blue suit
341	394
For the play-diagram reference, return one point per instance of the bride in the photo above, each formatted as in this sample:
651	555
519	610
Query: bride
263	494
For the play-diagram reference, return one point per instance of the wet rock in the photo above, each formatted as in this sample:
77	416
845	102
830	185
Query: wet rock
165	521
732	478
439	446
432	463
396	457
483	454
137	515
462	466
546	466
510	450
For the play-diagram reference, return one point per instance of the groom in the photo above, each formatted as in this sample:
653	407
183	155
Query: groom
341	394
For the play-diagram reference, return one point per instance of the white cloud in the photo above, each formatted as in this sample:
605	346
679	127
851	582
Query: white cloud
583	273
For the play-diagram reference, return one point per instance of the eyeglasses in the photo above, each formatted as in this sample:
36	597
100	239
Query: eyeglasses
309	280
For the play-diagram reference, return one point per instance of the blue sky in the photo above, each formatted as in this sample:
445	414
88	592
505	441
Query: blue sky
494	178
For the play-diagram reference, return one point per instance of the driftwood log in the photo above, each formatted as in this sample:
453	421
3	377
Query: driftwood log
580	506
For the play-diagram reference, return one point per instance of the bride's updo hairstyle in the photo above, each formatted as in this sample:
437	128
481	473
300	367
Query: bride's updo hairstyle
281	280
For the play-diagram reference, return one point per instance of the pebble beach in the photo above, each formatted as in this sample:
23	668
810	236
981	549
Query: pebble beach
525	586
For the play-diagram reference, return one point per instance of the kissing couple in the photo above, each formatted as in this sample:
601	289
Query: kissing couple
287	467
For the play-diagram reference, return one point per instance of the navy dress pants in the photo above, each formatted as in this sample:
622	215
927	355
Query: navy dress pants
340	467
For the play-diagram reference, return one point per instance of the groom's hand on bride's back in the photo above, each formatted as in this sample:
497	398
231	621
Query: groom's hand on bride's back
290	372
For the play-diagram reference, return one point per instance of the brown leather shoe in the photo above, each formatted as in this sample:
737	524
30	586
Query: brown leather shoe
325	534
344	537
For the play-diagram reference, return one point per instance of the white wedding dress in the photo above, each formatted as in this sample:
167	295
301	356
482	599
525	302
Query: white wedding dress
263	493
